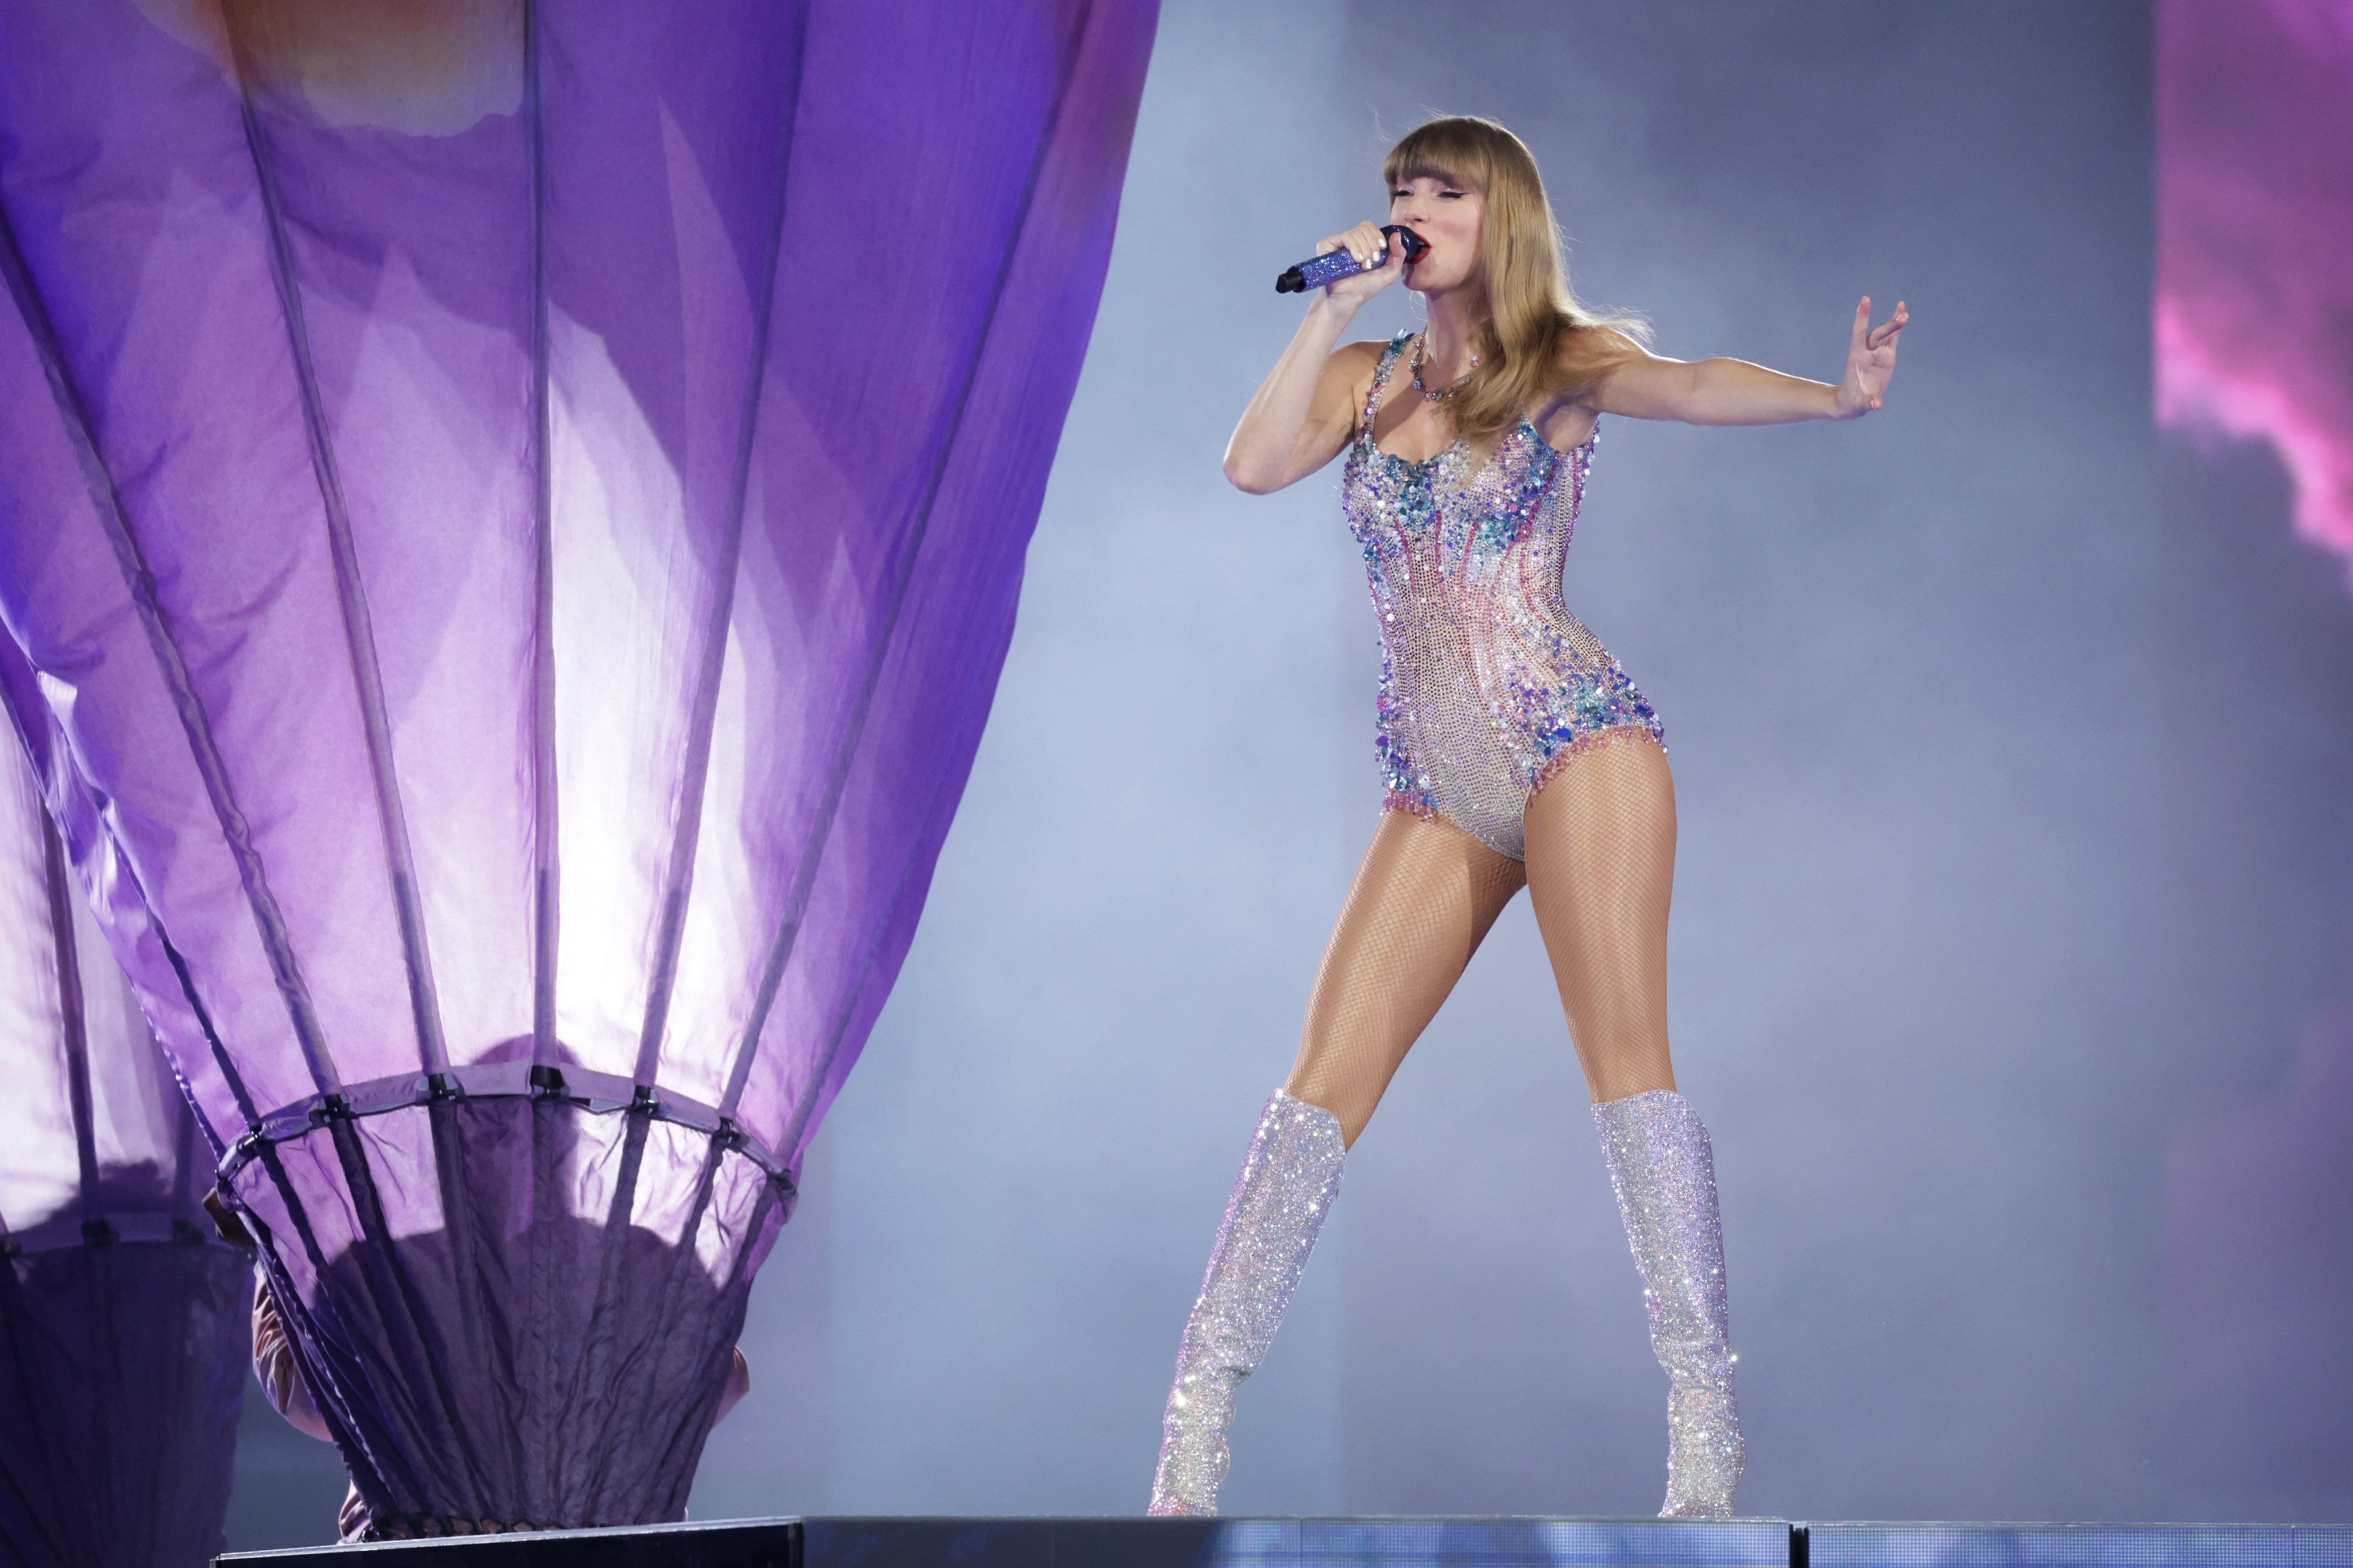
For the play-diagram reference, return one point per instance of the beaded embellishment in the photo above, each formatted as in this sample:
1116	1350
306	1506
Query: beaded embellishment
1487	684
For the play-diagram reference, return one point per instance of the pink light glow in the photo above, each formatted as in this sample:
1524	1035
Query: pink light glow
2254	324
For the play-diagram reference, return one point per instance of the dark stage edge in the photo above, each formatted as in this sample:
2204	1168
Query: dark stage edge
901	1543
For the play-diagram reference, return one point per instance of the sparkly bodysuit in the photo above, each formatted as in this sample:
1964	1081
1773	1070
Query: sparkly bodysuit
1488	683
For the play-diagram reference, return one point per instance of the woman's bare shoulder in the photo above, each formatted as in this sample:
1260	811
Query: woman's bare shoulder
1583	359
1352	365
1587	357
1584	350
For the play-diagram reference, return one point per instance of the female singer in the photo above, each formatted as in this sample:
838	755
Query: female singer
1515	751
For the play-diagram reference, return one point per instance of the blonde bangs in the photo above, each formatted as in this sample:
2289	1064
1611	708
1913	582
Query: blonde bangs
1537	340
1439	150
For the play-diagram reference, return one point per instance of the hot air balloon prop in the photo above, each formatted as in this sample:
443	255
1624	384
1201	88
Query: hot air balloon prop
122	1317
516	511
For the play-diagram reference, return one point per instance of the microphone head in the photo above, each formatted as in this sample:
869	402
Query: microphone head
1413	243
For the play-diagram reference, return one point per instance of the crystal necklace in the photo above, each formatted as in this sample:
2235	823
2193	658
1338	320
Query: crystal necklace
1443	392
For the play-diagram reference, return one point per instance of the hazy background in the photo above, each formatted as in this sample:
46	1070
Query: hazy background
2014	950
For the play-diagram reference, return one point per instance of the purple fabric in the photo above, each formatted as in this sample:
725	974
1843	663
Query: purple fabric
517	513
121	1318
123	1373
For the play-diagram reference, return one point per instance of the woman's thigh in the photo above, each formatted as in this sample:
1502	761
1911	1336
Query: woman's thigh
1424	898
1601	873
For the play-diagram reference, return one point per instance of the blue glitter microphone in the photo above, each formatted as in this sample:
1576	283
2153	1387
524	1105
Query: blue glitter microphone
1333	266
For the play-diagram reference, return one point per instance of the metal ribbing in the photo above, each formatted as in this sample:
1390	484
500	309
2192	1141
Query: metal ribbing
546	881
140	584
425	1371
73	1018
305	1322
478	1082
229	1075
351	595
184	1150
687	834
821	830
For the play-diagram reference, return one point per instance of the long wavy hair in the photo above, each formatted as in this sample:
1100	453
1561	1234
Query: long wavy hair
1537	339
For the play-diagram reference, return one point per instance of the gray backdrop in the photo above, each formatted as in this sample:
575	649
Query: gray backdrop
2016	894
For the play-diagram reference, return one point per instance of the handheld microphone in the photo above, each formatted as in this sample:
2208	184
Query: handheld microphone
1333	266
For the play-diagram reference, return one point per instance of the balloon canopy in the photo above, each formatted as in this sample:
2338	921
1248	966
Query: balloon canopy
122	1317
516	513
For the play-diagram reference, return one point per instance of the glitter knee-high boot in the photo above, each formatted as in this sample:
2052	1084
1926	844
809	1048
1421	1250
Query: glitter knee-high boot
1664	1173
1289	1179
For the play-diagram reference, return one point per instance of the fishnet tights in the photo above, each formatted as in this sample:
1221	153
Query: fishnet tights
1599	872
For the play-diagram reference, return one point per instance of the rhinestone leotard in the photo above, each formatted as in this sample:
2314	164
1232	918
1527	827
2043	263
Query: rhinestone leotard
1488	683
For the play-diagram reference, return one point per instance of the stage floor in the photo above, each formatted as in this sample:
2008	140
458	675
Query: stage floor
880	1542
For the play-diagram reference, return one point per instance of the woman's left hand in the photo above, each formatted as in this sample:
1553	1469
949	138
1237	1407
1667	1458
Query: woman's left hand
1870	361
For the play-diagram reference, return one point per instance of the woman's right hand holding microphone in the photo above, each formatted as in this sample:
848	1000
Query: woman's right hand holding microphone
1369	245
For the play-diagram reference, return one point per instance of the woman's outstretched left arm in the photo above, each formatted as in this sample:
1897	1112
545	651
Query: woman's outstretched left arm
1734	392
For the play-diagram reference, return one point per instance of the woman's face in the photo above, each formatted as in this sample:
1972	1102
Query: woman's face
1446	214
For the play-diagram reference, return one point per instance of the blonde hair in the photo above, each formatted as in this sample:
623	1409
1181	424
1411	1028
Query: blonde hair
1537	340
